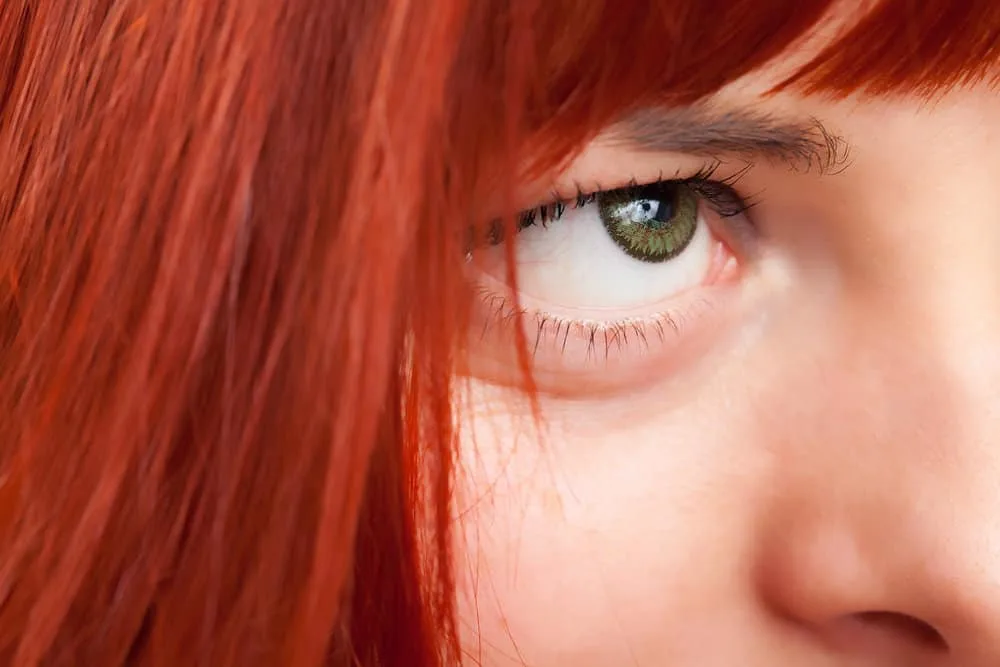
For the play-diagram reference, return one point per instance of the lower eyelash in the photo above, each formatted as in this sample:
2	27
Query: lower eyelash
601	338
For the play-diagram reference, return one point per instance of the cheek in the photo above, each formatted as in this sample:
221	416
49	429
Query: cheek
615	533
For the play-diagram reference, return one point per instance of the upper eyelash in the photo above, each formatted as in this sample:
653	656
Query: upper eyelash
717	192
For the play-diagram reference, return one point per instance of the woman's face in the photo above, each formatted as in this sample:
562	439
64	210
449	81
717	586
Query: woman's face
769	435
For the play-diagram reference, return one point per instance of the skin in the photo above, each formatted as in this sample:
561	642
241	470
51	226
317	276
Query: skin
807	474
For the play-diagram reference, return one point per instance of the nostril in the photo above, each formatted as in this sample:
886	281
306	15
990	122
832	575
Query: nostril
904	626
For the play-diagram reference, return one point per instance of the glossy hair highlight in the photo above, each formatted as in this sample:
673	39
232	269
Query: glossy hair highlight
232	296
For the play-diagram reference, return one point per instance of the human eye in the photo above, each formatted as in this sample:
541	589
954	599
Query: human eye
612	279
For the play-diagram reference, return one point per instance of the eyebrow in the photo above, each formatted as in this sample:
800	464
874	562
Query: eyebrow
803	145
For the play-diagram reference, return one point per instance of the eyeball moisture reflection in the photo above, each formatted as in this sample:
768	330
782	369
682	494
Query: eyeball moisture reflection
618	267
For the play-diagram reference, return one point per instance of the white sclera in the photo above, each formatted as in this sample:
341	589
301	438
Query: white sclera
574	264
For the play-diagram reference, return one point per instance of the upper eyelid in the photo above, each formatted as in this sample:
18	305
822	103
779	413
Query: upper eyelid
707	173
725	201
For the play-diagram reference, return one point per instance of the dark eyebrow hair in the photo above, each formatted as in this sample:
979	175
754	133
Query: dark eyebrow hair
802	145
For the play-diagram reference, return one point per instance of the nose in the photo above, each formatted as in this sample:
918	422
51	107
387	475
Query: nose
882	538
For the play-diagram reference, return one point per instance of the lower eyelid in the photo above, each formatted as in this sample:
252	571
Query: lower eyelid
579	357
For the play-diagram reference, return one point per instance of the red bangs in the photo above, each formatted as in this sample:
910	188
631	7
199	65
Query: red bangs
593	61
897	46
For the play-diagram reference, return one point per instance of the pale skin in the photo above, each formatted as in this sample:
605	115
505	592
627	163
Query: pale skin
807	473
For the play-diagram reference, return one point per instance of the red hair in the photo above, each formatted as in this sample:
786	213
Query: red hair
231	288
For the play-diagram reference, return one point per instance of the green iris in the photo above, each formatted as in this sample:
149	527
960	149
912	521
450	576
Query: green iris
652	223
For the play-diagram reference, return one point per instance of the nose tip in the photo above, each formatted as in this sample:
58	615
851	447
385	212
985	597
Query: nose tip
880	605
881	535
